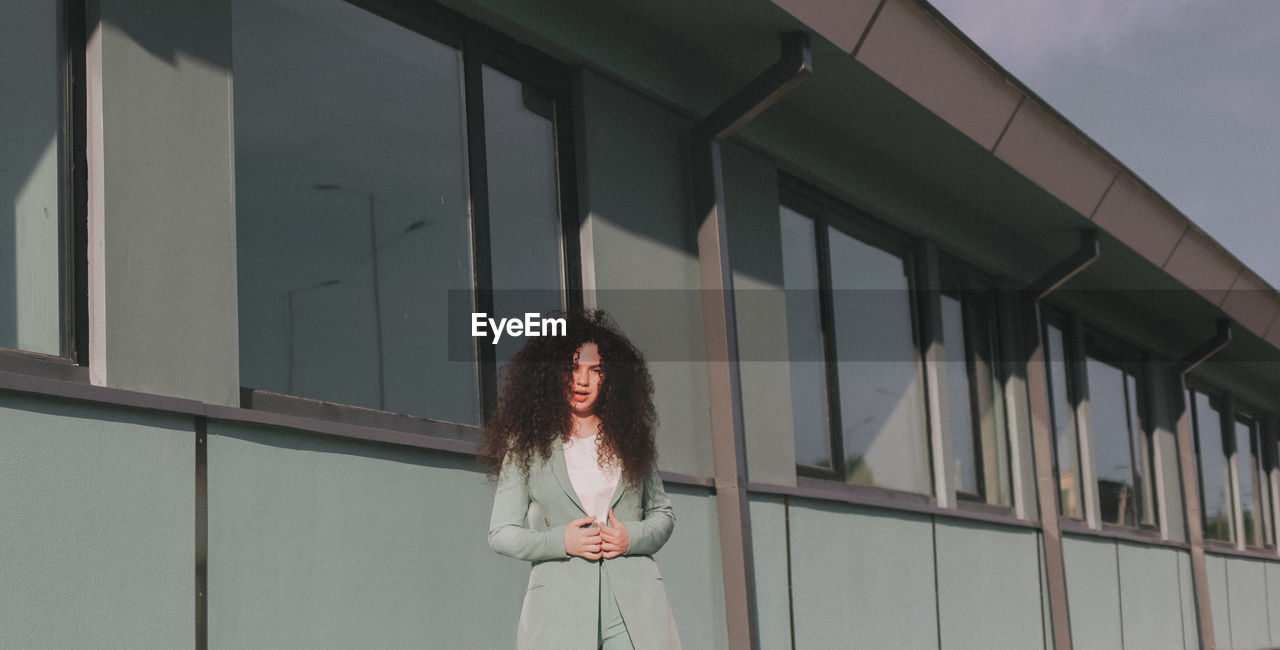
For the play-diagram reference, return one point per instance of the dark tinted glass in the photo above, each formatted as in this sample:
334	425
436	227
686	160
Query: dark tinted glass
1215	490
879	370
352	208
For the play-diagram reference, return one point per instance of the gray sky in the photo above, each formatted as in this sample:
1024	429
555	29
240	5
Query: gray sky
1186	93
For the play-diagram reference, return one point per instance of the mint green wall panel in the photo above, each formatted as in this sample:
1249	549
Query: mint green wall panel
769	558
690	565
96	526
861	578
1190	620
640	256
1247	587
1273	600
988	587
321	542
1150	597
1093	593
1219	599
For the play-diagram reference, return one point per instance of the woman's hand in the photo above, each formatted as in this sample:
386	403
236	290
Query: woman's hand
582	542
614	539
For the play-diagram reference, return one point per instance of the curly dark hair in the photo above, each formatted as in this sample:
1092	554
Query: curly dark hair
534	407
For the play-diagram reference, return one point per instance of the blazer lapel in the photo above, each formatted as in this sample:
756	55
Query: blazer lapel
617	492
561	471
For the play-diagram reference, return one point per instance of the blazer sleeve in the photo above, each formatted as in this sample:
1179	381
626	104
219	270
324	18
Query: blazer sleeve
652	531
508	533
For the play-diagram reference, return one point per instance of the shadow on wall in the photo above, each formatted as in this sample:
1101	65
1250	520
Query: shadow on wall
170	30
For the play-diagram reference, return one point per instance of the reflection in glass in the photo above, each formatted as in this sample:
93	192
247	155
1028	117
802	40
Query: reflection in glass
350	165
1064	434
524	222
1215	495
964	444
1112	408
881	397
975	404
30	160
804	340
1246	432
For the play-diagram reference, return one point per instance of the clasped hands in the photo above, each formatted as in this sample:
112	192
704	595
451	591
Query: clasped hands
595	542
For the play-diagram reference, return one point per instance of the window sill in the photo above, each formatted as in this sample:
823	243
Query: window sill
1219	547
1109	531
45	366
880	498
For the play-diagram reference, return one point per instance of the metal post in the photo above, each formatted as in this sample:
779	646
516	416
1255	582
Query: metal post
1041	429
720	330
1190	493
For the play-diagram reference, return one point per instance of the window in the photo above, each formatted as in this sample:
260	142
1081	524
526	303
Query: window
1065	452
383	170
42	235
1235	493
1211	463
857	373
1255	501
972	387
1099	403
856	383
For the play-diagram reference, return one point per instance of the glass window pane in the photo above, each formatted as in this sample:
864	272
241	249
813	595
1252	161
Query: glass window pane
986	397
1063	424
30	211
524	216
1215	492
964	445
1112	448
881	398
1247	466
804	340
352	208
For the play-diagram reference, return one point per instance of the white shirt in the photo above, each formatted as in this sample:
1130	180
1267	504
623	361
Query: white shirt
594	484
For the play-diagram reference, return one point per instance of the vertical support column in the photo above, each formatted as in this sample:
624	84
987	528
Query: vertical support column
1190	493
726	414
1046	478
1041	429
720	328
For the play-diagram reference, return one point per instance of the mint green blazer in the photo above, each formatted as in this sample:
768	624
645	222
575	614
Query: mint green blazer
561	605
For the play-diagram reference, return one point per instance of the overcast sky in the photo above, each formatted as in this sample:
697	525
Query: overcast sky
1186	93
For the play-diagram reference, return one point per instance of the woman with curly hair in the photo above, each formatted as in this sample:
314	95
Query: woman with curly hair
578	494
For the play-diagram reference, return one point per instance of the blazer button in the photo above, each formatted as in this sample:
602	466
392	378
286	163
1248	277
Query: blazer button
547	521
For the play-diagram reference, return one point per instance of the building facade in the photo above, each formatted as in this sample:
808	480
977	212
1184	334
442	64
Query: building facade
933	369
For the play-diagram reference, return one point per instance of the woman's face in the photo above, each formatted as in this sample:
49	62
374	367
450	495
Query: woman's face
584	385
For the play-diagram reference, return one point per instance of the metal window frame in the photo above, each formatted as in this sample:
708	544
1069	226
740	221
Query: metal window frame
1132	361
983	320
478	45
1194	386
1254	418
829	212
